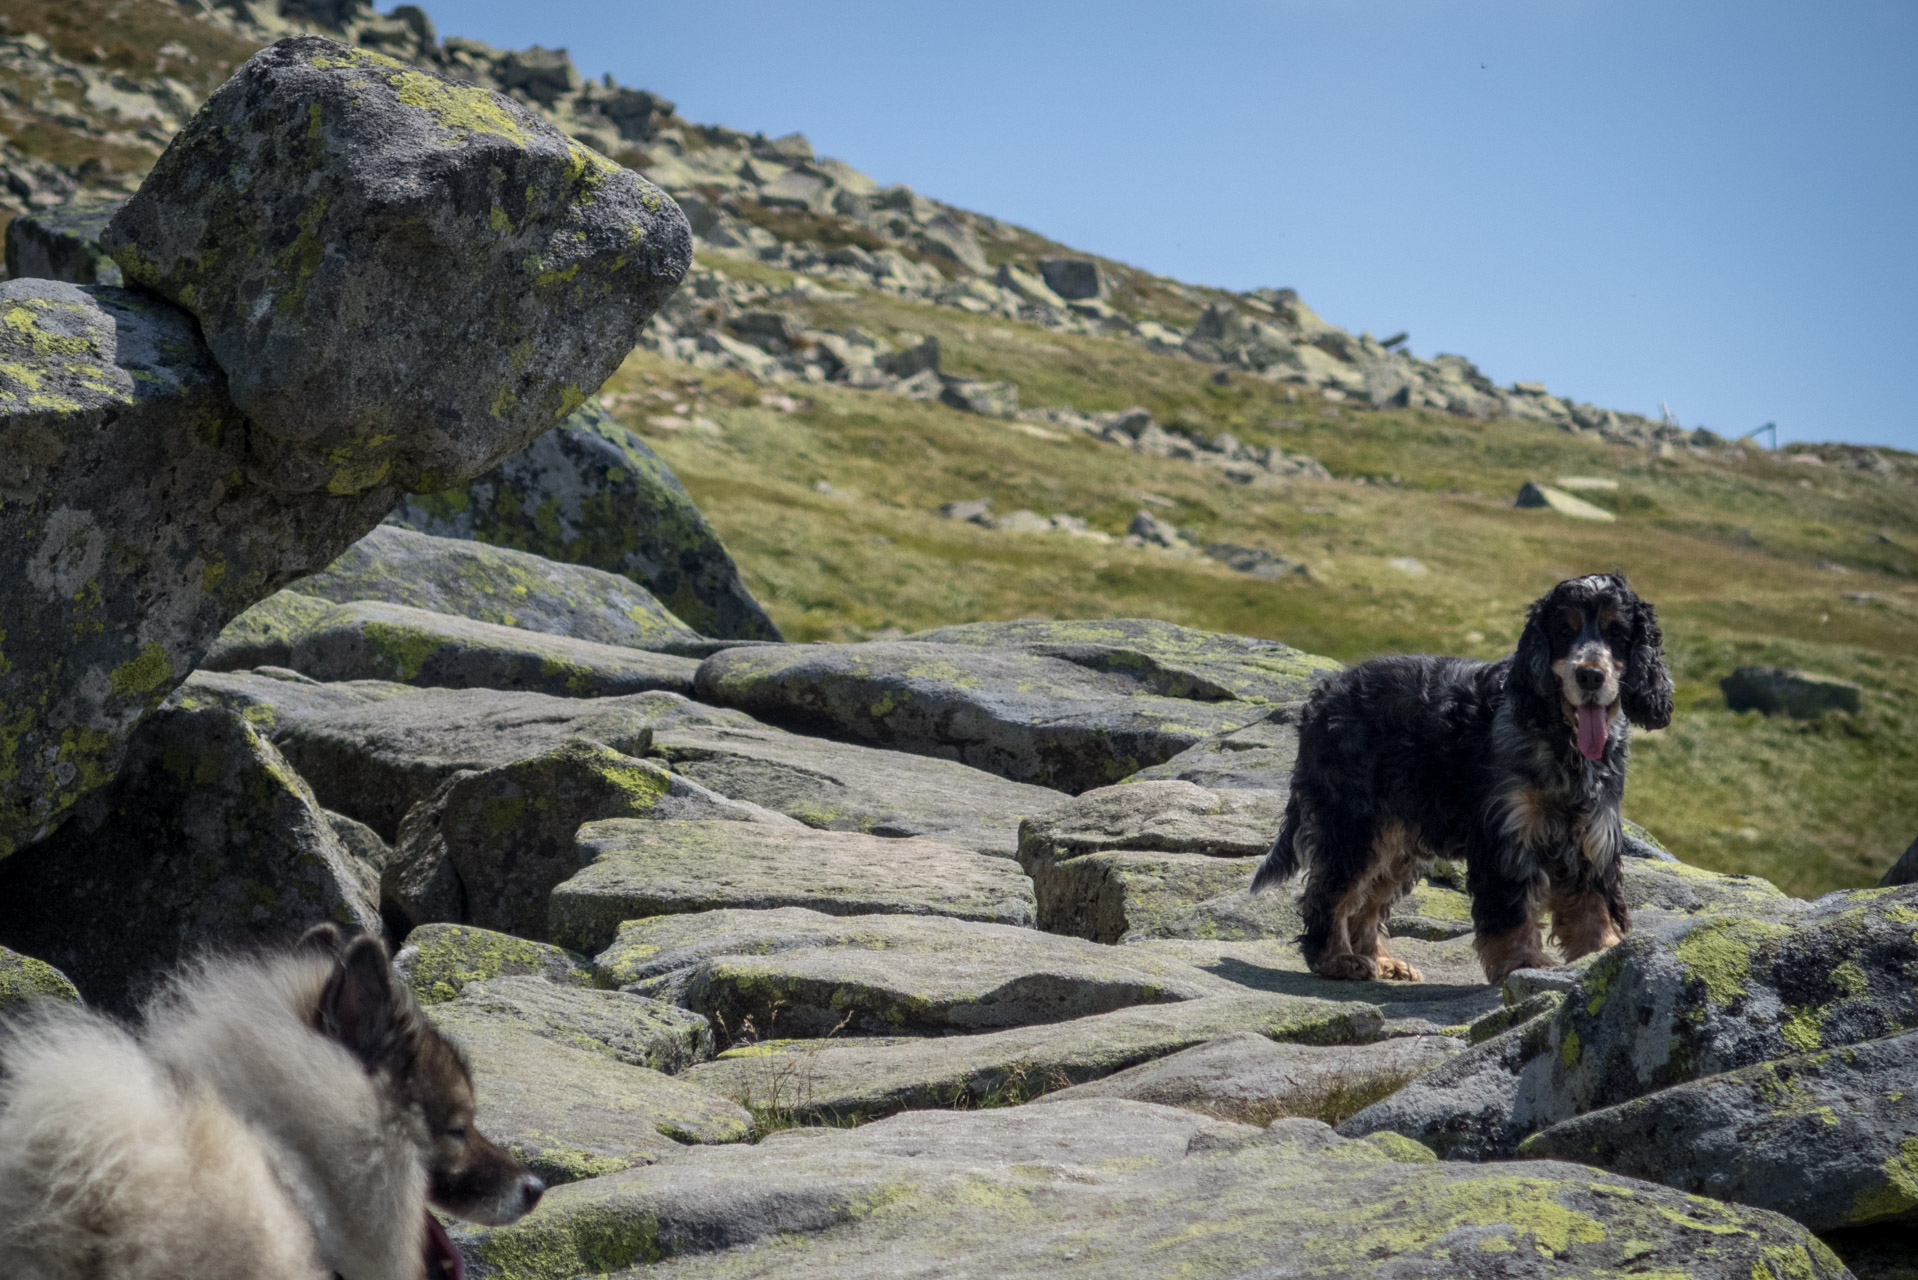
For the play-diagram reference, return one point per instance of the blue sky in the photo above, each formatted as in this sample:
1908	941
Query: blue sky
1709	204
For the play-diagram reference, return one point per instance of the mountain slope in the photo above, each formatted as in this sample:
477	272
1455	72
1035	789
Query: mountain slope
792	387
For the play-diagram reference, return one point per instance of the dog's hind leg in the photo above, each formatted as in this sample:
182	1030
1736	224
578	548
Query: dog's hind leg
1340	938
1396	859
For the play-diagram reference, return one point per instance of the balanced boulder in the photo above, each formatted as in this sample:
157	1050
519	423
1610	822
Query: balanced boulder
407	278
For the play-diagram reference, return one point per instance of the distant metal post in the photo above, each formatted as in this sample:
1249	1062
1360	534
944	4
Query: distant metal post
1756	431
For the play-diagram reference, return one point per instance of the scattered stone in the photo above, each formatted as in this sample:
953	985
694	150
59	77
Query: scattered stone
634	869
503	586
1533	494
1101	1187
570	1112
1256	561
206	839
1154	532
1825	1138
63	243
397	223
987	399
1253	1080
24	980
1407	565
1587	483
489	846
1073	278
590	492
797	973
1782	691
372	640
129	532
1257	757
857	1082
439	960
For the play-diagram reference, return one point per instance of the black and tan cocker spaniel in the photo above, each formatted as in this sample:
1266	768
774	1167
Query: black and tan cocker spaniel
1515	766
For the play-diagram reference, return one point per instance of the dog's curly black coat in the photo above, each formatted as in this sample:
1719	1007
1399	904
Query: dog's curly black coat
1515	766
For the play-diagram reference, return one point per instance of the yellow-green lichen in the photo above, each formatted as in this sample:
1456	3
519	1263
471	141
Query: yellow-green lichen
460	109
1719	953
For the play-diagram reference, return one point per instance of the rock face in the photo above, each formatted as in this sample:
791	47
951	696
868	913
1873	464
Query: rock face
24	979
129	532
1100	1188
590	492
207	838
395	223
1781	691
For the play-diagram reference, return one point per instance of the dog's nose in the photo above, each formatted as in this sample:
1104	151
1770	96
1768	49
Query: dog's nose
1590	678
530	1191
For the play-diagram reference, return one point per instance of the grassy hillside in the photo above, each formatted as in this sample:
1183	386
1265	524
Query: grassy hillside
832	511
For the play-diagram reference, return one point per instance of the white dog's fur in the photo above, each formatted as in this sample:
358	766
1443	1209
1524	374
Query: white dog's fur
231	1140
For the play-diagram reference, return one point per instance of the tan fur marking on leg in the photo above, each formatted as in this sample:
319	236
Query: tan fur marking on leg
1528	817
1503	953
1582	924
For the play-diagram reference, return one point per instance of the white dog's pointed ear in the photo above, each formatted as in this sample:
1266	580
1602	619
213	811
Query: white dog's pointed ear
356	1010
325	938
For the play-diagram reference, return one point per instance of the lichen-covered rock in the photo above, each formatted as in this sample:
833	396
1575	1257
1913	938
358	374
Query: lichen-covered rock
628	1028
263	636
1259	756
1170	660
1828	1138
1166	816
372	640
375	762
590	492
857	1082
840	786
63	243
798	973
570	1112
1022	715
642	868
24	979
131	530
272	697
207	838
1126	895
1255	1080
407	278
503	586
1099	1188
439	960
505	835
1677	1001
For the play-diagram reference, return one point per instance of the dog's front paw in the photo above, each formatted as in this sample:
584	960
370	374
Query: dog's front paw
1347	968
1393	969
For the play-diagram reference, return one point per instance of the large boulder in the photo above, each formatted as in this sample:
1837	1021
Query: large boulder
1025	716
1097	1188
1783	691
206	839
131	530
1827	1138
634	868
24	980
488	847
590	492
1684	997
798	973
497	585
352	232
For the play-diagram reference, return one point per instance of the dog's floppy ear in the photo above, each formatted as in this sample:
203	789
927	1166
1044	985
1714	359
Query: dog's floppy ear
1646	689
357	1008
1531	686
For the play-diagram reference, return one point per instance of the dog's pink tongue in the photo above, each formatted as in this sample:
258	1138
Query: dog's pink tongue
1591	731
